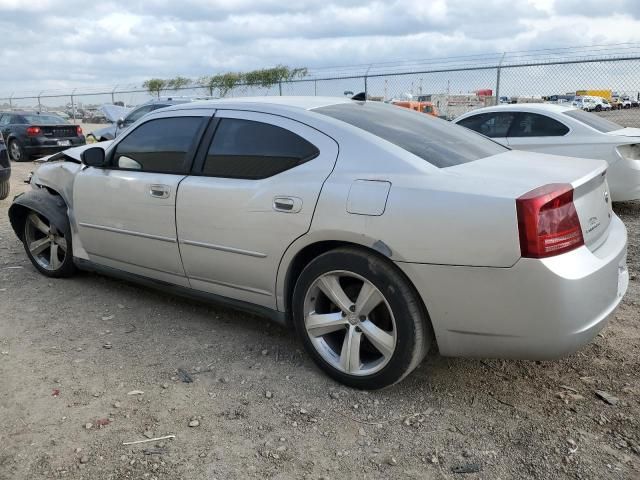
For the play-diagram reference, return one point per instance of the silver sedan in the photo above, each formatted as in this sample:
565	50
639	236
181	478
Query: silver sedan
372	230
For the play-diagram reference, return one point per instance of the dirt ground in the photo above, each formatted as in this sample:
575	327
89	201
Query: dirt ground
76	355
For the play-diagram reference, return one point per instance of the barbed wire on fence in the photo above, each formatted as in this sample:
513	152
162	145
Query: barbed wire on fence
452	84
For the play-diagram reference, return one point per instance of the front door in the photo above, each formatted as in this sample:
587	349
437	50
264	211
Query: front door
126	213
253	195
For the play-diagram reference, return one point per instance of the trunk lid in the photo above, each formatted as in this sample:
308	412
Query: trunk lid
625	132
58	131
515	173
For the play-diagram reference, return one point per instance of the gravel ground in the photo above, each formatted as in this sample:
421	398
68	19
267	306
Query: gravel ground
76	355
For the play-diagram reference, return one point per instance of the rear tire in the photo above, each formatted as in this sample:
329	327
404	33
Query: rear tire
17	152
4	189
48	248
360	319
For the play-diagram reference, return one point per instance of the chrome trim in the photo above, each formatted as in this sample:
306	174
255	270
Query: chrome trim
222	248
230	285
128	232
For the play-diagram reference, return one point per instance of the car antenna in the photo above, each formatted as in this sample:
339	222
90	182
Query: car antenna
360	97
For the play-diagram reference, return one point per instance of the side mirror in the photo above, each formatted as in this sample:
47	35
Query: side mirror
120	122
94	157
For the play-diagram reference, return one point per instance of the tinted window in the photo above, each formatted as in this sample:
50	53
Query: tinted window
441	143
594	121
159	145
493	125
534	125
254	150
44	119
136	114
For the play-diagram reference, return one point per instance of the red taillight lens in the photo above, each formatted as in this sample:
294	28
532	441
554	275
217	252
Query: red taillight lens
79	130
33	131
548	222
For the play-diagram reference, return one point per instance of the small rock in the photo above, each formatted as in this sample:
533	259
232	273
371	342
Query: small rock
108	317
467	453
84	459
469	468
135	392
268	394
265	352
88	426
148	434
434	459
194	423
303	411
334	395
107	346
78	450
282	439
607	397
96	394
391	460
362	433
117	404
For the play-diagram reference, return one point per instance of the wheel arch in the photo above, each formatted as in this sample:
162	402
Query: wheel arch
43	201
296	259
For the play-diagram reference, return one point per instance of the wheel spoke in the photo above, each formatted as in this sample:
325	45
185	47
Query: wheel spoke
319	324
39	224
350	353
380	339
330	286
54	261
39	246
368	299
61	242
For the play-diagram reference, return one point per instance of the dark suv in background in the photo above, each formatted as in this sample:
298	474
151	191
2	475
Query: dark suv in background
5	170
31	133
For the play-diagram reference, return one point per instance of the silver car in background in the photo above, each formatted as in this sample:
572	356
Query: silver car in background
370	229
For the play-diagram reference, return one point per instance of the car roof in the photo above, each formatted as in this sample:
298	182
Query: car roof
300	103
516	107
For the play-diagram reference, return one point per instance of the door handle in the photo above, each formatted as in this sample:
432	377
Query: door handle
287	204
159	191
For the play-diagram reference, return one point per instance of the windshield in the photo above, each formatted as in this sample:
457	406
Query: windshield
594	121
441	143
45	119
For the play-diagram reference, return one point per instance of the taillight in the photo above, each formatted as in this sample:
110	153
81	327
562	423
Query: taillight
33	131
79	130
548	222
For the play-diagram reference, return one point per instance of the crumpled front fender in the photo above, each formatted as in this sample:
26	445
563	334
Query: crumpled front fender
41	201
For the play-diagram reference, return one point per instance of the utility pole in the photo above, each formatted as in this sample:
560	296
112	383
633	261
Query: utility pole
498	78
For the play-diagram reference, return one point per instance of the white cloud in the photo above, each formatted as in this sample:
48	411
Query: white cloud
47	45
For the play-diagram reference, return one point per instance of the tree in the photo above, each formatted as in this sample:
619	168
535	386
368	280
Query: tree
178	83
223	82
268	77
155	85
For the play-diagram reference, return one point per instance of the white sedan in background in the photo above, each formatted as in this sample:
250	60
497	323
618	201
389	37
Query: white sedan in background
568	131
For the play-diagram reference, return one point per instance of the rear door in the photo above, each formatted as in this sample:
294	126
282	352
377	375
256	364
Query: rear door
253	191
494	125
126	212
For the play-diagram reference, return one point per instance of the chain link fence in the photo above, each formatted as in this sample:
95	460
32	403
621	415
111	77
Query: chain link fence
452	85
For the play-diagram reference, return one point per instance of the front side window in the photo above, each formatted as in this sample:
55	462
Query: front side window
253	150
160	145
535	125
492	125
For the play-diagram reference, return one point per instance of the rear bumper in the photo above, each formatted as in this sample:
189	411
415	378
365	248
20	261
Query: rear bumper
48	146
537	309
624	180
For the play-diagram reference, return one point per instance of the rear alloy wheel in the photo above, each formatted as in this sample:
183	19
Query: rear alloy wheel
4	189
48	248
16	152
360	319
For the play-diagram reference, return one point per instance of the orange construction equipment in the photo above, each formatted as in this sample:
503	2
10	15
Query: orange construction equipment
423	107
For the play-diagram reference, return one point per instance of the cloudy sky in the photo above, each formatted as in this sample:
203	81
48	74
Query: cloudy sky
53	44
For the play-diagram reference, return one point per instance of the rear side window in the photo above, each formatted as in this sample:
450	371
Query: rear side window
254	150
492	125
535	125
441	143
160	145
